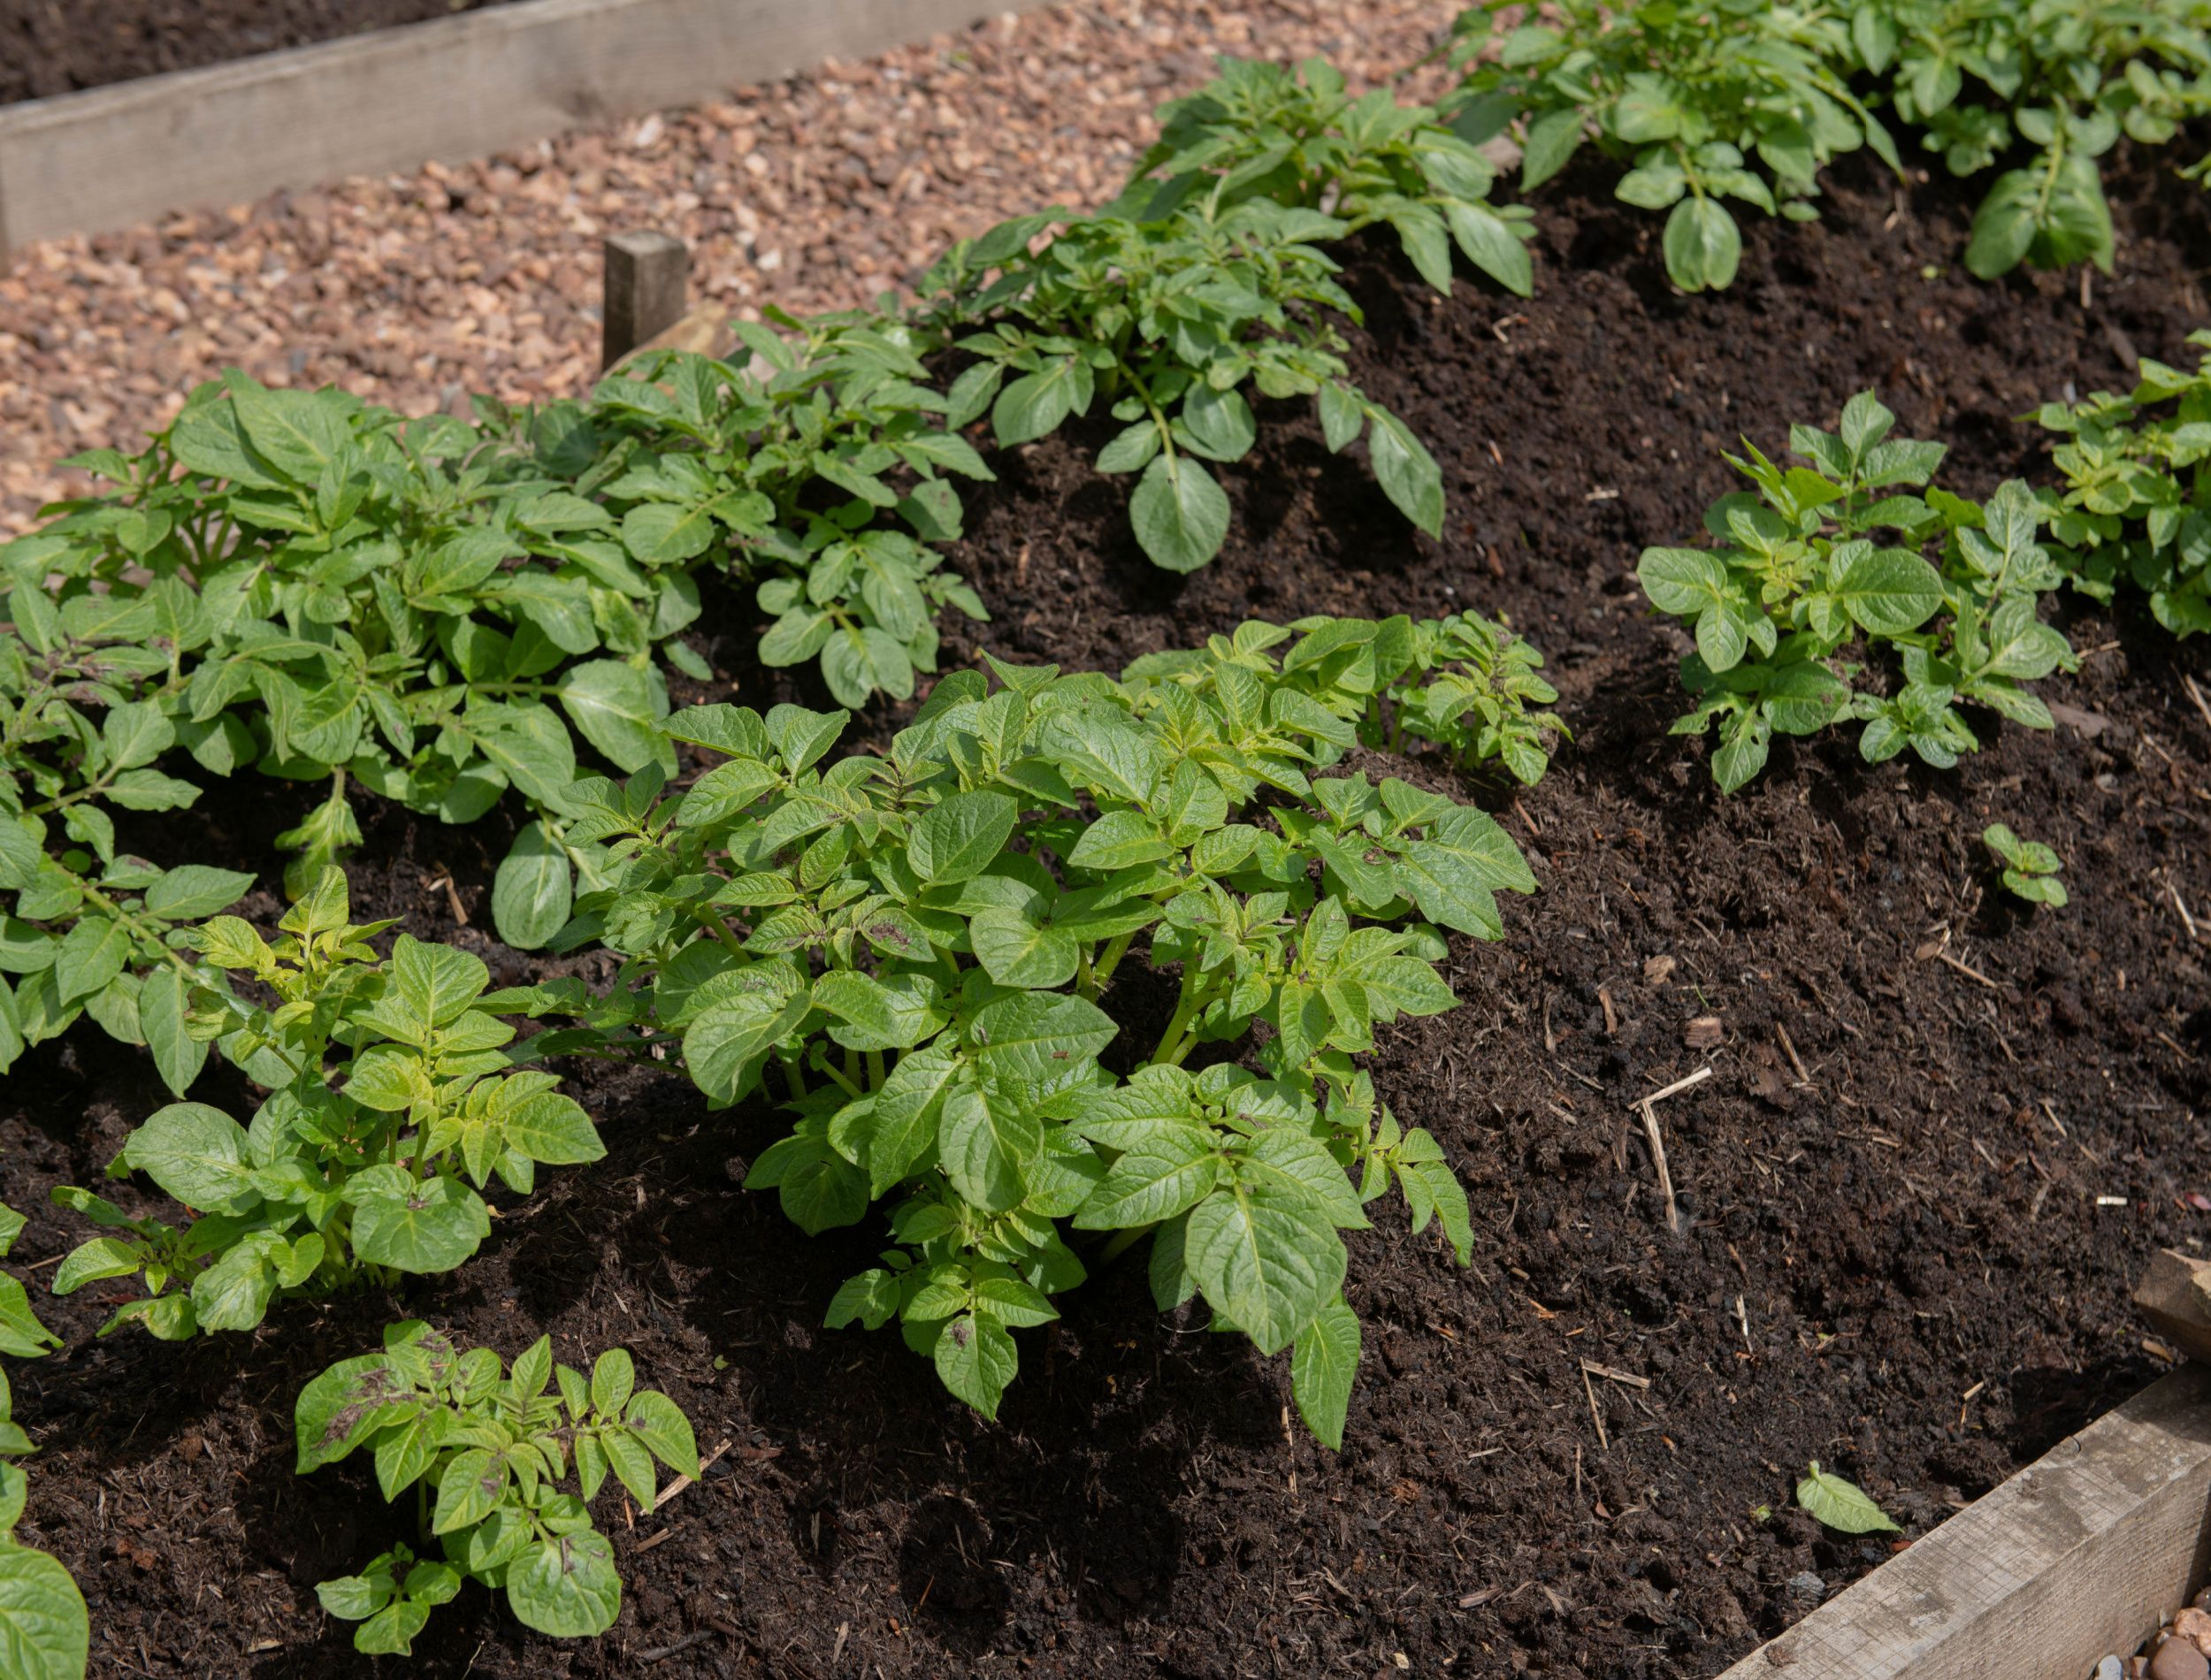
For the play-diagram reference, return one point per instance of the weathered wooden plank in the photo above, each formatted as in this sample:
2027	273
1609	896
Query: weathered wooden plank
451	90
2078	1555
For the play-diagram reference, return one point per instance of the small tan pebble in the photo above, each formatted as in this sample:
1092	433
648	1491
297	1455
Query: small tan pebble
2194	1624
2179	1659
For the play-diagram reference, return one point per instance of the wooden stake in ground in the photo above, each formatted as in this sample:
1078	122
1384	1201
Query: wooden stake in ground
1647	1109
647	277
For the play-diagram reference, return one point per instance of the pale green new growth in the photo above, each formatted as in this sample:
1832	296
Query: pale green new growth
391	1105
493	1452
2031	868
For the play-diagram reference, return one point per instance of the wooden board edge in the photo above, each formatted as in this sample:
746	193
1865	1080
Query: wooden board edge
2077	1556
449	89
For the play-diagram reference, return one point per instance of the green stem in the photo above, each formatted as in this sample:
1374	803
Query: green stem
1114	951
876	1072
822	1065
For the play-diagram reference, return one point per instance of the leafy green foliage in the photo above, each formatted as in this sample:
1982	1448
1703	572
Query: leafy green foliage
1978	78
920	948
2136	504
789	471
317	588
493	1449
1833	553
1691	97
1735	99
1462	682
44	1632
1841	1505
2031	868
390	1109
1174	326
1296	139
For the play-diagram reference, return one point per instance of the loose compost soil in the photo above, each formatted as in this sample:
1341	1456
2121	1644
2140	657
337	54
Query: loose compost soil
1574	1458
48	47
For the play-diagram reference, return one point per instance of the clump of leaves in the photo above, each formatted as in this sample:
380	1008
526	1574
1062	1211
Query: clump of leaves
493	1449
1980	79
2031	868
1832	554
2136	503
920	948
1462	682
1174	324
1696	100
1297	139
787	471
390	1109
45	1631
320	589
1841	1505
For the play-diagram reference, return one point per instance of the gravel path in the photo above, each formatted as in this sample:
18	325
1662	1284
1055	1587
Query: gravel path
814	192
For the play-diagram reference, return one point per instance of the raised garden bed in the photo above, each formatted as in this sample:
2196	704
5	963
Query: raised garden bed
1942	1136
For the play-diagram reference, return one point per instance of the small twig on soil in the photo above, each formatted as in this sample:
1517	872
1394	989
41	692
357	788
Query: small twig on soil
1743	1318
1967	970
2187	921
661	1653
444	878
1596	1417
1611	1020
682	1482
1789	1049
2203	707
1590	1368
1658	1143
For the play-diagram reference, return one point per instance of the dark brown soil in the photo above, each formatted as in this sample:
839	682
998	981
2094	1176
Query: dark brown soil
49	47
1973	1079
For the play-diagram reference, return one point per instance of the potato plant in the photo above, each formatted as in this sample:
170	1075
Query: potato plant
1297	139
45	1631
1737	100
1173	325
1462	682
2030	869
301	583
1832	554
493	1449
2136	502
390	1109
788	471
917	952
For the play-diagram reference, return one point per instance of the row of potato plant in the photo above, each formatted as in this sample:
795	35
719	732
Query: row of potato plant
1739	100
443	610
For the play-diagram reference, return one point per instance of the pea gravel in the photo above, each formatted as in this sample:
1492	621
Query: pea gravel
817	192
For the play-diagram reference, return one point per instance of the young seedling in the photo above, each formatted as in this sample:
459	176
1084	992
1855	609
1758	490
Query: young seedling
390	1109
492	1451
2030	869
1833	553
